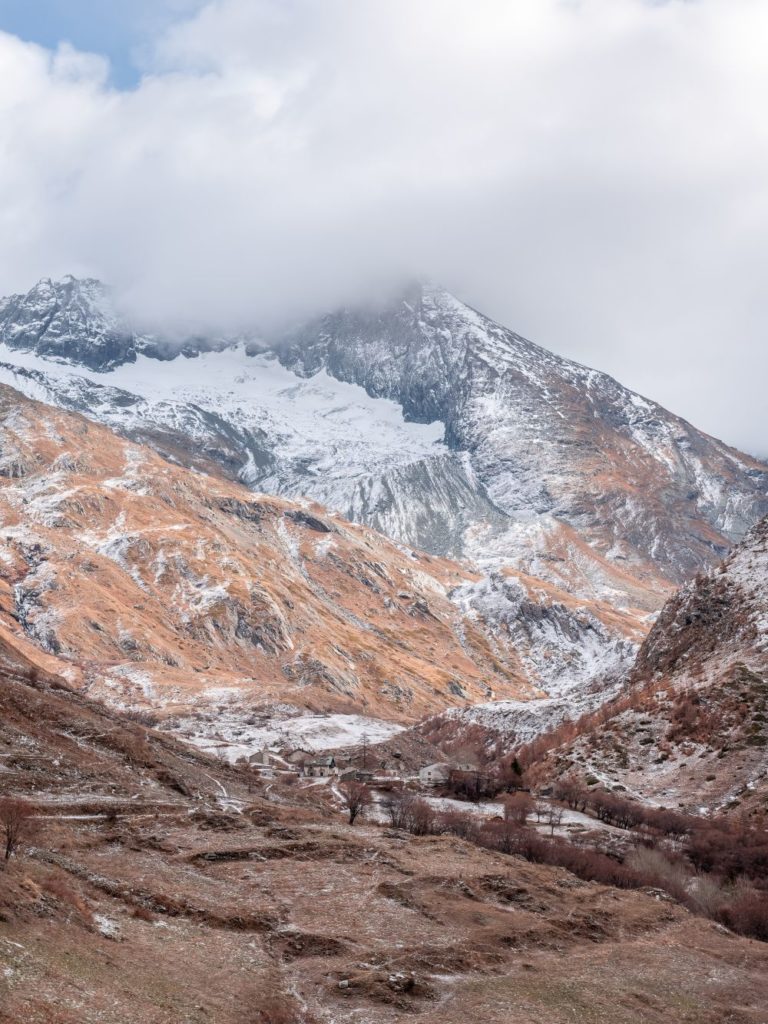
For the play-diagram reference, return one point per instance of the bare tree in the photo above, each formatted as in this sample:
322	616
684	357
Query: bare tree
357	797
570	791
540	809
16	823
518	806
554	817
411	813
397	807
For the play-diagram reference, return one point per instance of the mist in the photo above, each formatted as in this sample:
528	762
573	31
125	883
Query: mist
592	173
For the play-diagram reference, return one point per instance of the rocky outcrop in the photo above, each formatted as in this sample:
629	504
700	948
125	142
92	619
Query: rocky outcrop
719	615
691	727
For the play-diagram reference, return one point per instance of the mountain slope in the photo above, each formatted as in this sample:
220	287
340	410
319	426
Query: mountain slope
155	583
546	437
693	727
155	586
424	420
161	885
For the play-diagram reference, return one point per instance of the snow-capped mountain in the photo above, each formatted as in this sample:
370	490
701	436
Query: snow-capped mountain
75	319
547	439
422	419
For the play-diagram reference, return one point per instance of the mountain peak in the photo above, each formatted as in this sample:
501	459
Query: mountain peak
68	282
71	319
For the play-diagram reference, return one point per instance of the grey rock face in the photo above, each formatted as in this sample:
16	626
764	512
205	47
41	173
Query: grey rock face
720	616
529	437
545	435
71	320
75	320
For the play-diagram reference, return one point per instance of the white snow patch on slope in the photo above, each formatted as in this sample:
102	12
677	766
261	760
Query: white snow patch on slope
231	736
334	429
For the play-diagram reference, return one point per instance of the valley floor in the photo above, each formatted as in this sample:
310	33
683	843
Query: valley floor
192	914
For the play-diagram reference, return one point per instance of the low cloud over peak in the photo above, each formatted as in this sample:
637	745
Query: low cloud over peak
593	173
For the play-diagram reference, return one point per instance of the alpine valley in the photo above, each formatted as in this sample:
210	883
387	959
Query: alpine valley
298	633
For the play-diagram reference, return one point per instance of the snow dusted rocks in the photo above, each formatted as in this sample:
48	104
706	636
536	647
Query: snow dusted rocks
692	728
546	437
574	657
68	319
423	419
75	320
231	735
564	647
720	616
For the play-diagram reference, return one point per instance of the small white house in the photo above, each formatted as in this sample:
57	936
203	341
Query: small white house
434	774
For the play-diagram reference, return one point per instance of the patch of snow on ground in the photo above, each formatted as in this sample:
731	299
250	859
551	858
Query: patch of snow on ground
106	926
231	737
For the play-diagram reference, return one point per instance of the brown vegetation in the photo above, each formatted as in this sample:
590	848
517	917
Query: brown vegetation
16	824
173	907
356	798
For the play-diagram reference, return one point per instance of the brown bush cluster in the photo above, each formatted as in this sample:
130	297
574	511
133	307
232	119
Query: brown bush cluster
717	868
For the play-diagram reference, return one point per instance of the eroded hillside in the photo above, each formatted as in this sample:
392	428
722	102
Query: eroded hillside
152	584
692	728
158	585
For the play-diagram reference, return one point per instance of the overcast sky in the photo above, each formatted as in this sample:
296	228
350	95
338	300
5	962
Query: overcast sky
593	173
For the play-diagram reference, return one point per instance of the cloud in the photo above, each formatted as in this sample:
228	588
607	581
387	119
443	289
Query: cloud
592	172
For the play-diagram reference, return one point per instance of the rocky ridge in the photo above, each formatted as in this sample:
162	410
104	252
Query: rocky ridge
691	726
423	419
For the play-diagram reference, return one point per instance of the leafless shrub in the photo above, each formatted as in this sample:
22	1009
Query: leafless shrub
411	813
356	797
147	718
518	806
658	870
729	849
504	835
570	791
553	817
16	823
456	823
540	809
747	914
421	818
706	896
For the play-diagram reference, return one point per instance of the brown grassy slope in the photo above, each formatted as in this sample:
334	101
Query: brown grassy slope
162	907
156	584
